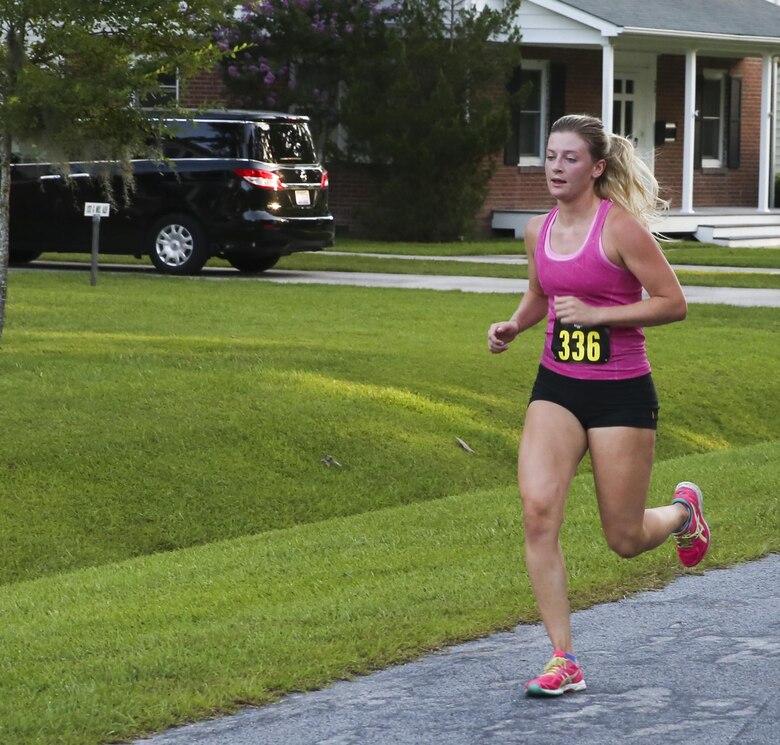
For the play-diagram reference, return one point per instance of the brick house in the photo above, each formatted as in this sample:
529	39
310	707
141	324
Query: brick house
693	83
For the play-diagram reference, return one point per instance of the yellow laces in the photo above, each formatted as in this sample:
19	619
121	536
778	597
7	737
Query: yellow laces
555	664
685	540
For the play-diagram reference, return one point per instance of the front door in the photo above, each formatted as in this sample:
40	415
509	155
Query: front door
633	107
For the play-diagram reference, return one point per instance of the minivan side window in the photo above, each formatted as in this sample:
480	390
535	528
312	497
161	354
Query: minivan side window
283	142
204	140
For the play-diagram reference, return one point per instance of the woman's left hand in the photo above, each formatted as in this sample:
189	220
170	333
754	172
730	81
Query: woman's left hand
569	309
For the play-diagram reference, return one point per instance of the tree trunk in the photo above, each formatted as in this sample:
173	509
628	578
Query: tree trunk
5	215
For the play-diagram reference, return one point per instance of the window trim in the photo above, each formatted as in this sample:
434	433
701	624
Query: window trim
543	66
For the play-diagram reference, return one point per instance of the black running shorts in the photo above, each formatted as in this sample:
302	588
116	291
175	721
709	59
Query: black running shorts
601	403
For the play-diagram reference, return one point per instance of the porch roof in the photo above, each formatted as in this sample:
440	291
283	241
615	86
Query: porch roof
719	26
734	18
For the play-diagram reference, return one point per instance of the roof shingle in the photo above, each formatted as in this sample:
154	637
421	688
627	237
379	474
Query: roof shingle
758	18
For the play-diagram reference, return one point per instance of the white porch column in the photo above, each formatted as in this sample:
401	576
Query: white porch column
765	141
689	130
607	84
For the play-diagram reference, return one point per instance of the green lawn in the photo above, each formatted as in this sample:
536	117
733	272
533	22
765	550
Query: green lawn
691	252
174	545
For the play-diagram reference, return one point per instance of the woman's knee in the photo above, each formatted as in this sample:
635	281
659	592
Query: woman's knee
625	545
542	514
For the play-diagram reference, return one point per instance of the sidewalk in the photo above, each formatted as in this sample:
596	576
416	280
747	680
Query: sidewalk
694	663
520	259
695	294
745	297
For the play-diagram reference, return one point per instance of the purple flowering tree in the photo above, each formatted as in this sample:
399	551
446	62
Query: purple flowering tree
296	55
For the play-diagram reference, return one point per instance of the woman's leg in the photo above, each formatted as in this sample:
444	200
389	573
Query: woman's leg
552	445
622	463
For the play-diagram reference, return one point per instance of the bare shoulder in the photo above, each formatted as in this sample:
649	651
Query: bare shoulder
533	228
624	235
620	220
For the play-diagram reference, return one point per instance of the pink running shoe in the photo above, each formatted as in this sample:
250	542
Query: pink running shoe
693	541
560	675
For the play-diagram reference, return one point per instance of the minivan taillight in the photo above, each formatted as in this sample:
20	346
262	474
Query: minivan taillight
324	180
260	178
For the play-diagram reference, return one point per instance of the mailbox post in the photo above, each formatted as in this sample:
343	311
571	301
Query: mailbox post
95	210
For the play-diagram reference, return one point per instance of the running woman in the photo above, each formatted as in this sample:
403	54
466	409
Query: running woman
588	262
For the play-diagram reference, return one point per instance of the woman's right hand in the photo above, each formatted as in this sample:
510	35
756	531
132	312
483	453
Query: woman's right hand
501	334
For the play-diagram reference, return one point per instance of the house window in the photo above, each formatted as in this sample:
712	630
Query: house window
167	94
529	116
623	105
712	115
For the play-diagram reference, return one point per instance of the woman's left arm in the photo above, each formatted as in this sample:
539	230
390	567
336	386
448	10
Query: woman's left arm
630	245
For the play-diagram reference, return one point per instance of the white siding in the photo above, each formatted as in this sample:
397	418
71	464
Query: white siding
542	26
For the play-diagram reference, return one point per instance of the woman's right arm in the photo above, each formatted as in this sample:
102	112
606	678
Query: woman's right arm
533	306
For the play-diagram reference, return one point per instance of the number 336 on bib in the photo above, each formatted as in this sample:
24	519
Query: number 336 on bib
583	344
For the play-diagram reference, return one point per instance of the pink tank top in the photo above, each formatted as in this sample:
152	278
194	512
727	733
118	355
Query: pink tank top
590	276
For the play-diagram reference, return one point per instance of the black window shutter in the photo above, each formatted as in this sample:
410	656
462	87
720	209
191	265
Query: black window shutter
557	91
512	147
734	121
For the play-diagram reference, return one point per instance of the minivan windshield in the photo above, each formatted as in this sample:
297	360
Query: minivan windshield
282	142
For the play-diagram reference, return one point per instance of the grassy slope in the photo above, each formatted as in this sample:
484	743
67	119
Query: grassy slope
156	414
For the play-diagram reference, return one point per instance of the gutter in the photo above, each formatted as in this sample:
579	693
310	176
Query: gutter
773	41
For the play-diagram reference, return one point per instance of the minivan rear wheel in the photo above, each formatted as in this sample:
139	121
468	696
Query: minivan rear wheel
177	245
251	264
22	255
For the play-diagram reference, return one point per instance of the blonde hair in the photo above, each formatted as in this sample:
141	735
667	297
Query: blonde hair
626	179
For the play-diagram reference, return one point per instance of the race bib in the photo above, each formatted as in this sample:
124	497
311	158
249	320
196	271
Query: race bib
587	344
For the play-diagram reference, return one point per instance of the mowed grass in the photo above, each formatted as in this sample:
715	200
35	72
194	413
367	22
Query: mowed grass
175	547
103	654
151	413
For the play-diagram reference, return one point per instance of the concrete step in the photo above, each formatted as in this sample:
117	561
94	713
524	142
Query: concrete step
740	236
735	229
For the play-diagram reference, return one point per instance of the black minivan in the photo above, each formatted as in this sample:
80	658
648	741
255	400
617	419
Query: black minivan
245	186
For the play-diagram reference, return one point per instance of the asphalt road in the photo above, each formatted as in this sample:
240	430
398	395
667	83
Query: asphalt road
694	663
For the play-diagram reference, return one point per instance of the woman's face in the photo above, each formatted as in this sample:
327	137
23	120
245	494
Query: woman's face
569	166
